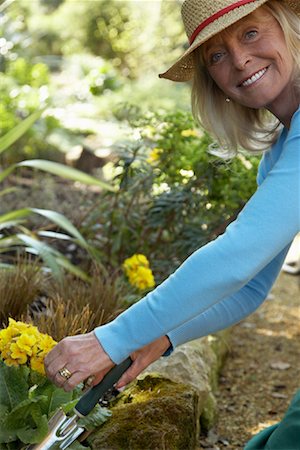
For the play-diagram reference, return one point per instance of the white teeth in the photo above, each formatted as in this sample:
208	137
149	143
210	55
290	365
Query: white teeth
254	78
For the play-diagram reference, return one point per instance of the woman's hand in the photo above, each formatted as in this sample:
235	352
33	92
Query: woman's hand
75	359
143	358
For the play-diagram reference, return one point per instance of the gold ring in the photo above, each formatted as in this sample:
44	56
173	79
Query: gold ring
65	373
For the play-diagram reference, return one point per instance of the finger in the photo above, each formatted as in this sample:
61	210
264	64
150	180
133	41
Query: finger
59	380
54	353
73	381
134	370
99	376
53	368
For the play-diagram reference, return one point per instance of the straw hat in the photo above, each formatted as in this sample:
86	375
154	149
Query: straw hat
203	19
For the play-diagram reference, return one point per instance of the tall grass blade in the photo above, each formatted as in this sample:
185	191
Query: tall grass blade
45	252
65	172
13	135
62	222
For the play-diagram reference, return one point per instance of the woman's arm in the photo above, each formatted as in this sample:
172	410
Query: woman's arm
230	310
267	224
220	316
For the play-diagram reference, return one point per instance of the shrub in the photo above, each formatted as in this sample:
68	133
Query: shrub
174	194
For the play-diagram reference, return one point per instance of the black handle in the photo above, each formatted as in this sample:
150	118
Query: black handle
91	397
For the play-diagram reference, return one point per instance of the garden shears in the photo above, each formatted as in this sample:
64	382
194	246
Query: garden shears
64	430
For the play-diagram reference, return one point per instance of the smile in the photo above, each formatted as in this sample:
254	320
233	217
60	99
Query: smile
257	76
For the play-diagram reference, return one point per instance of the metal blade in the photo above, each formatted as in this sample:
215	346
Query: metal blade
62	432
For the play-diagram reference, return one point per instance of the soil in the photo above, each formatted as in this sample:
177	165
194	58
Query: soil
262	371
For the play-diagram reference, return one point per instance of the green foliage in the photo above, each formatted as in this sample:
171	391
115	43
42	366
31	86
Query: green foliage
102	79
170	206
131	35
35	75
16	236
28	400
23	89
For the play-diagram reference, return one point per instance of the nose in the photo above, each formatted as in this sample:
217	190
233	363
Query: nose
240	56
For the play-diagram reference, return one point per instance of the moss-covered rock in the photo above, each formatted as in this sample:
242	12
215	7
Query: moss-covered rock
167	405
153	413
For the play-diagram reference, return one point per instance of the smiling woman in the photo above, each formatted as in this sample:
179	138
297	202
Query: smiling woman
263	30
245	51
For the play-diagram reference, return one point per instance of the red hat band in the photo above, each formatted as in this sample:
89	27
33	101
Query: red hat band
216	16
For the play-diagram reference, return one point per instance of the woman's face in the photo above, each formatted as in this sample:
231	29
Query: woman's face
250	61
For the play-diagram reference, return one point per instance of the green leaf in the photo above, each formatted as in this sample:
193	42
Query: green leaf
8	191
54	235
15	215
54	397
63	222
22	410
95	418
39	432
11	223
8	241
7	171
13	385
66	264
13	135
47	253
65	172
67	407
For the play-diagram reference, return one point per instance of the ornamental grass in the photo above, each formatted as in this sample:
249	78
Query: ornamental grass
75	307
19	287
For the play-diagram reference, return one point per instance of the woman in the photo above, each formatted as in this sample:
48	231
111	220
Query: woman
245	65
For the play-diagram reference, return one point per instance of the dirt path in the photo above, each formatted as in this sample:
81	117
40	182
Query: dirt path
262	371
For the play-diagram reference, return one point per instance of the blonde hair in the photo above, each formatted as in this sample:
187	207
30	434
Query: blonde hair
236	126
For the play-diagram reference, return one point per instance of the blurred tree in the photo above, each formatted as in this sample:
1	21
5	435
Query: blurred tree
51	5
137	36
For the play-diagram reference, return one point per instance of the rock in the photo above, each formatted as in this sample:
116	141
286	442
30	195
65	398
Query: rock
197	364
169	403
153	413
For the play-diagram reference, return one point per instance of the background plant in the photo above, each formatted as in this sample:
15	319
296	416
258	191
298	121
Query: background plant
171	204
15	236
20	286
74	306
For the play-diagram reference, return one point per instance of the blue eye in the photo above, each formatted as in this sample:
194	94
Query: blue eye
216	57
251	34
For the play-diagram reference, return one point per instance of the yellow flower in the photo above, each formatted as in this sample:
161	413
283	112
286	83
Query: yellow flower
142	278
46	343
37	364
11	362
22	343
134	262
17	327
5	354
154	155
26	342
189	133
6	336
138	272
19	355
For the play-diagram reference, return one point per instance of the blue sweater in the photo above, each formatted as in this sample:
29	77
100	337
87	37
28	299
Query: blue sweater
228	278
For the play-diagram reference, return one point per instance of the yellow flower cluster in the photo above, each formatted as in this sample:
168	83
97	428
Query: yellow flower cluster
138	272
21	343
154	155
189	133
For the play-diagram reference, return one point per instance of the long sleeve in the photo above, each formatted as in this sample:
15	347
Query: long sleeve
267	224
232	309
